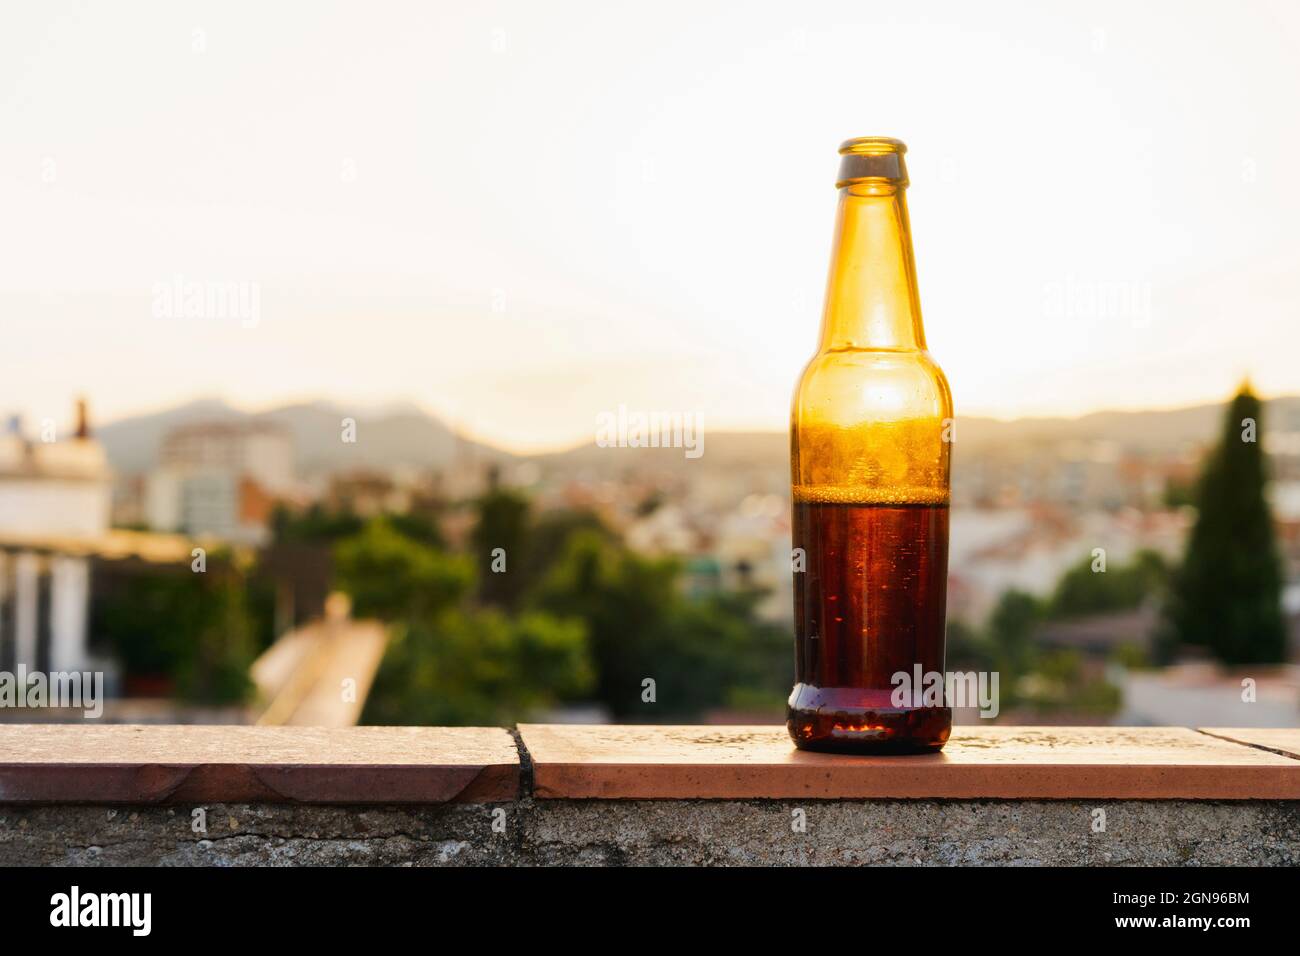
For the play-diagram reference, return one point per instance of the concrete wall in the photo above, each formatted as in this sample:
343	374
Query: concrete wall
671	832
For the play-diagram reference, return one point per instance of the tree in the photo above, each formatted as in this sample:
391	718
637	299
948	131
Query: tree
478	667
967	648
1011	630
446	663
590	619
500	540
549	536
700	654
1226	596
1083	591
316	525
194	630
625	601
392	577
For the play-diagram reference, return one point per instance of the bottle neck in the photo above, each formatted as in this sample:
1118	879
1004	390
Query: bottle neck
871	298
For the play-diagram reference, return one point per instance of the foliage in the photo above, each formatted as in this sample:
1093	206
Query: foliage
503	522
1011	630
316	525
260	596
575	616
1083	591
448	663
1131	657
477	667
194	628
967	648
1058	682
1226	596
548	538
421	526
699	654
392	577
1179	493
1029	675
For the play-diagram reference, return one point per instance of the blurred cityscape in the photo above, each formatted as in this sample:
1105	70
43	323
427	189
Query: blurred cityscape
313	565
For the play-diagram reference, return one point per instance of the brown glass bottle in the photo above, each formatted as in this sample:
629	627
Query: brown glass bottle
870	441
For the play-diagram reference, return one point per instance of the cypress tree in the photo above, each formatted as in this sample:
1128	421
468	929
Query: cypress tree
1226	596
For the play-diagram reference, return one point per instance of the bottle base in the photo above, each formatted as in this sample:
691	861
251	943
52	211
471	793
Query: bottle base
867	729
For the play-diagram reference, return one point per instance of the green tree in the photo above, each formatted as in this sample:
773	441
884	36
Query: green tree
445	663
421	526
967	648
700	654
392	577
478	667
1011	631
724	655
1082	591
625	601
1226	596
503	523
549	537
192	629
1178	493
316	525
1060	682
218	669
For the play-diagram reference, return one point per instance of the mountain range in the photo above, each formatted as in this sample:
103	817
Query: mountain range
394	435
404	435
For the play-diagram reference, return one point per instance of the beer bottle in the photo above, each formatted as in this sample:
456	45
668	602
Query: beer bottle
870	436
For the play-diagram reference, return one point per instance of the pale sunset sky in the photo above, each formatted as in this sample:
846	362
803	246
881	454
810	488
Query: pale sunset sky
519	215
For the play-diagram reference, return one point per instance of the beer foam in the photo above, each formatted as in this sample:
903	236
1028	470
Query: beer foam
870	495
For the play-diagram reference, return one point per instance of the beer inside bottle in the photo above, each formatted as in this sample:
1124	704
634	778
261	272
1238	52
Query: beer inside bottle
870	436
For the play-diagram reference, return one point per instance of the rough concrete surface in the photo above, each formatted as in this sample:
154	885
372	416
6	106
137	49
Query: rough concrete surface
662	832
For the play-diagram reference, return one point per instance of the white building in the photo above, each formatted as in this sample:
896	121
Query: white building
257	450
54	504
220	479
1205	695
1028	549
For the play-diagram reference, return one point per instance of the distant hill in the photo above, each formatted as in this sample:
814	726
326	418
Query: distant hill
1160	430
393	436
403	435
132	443
1153	432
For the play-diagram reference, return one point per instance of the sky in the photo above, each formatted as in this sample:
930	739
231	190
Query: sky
519	216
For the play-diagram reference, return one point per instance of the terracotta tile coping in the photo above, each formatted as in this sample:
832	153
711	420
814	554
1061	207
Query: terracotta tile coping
65	763
168	764
1281	740
571	761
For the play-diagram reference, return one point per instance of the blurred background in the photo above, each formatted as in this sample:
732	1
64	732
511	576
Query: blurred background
312	313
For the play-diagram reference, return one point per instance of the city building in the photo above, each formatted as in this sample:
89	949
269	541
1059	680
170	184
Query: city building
220	479
55	496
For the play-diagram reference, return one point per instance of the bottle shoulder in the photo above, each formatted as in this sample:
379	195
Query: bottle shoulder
852	384
871	427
